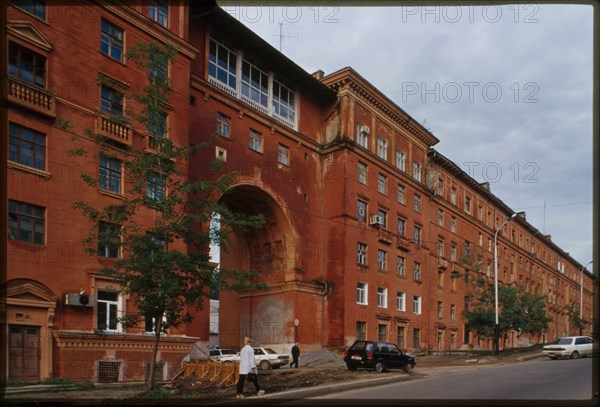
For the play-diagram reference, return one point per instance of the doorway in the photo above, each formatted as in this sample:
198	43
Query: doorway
24	353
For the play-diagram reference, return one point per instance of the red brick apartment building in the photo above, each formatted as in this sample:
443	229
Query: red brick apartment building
367	226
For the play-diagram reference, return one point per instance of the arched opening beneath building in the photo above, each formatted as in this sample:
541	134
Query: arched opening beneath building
272	253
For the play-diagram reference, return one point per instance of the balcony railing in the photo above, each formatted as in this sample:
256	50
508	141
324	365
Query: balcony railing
113	130
402	242
153	144
31	97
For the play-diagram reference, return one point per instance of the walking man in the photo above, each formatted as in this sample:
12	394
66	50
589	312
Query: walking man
295	355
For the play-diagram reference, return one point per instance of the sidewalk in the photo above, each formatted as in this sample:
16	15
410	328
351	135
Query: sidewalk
67	394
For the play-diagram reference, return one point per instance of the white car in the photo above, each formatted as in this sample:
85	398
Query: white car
266	358
221	354
570	346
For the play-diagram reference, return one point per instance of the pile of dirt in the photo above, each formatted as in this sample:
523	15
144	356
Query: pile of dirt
321	358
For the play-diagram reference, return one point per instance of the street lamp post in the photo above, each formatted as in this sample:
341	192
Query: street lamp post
497	326
581	299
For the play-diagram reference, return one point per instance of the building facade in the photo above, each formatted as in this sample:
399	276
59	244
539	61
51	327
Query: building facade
370	232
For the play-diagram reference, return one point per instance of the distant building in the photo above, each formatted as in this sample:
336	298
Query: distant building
370	232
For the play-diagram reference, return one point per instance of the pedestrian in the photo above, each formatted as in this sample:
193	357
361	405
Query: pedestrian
248	369
295	355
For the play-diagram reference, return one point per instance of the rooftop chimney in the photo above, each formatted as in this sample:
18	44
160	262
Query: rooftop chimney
318	74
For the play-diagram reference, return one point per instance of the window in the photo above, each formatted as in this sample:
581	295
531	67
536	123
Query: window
400	194
417	203
284	102
27	147
26	222
255	84
401	160
417	271
110	174
382	148
361	330
362	211
111	101
150	323
400	336
453	195
222	64
440	187
109	240
157	124
440	309
283	155
440	248
34	7
382	297
381	332
361	254
156	187
383	216
401	226
255	141
108	310
223	125
381	260
111	40
452	253
453	224
417	171
361	293
417	304
382	184
440	279
416	338
26	65
452	311
400	301
440	217
159	11
362	173
362	136
417	235
468	204
400	266
467	249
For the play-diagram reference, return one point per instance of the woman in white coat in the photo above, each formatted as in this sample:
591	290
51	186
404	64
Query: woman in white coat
248	369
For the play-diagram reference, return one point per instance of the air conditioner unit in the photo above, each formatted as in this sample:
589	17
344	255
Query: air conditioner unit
376	220
80	300
365	129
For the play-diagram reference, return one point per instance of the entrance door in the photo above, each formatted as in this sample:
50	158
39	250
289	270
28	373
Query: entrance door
24	353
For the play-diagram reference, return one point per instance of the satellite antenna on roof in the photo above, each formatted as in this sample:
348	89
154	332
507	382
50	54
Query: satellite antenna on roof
281	35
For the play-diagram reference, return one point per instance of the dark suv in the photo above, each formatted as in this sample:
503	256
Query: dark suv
379	356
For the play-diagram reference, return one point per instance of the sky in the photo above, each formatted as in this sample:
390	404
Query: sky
507	89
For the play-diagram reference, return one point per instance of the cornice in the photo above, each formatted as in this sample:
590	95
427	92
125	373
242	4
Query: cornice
90	340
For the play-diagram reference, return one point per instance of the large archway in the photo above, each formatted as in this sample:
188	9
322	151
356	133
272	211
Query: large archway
273	252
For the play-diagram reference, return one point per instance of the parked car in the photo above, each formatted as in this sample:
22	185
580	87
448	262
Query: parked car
220	354
266	358
570	346
379	356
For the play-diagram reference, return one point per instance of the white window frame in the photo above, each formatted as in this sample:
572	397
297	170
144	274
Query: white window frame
362	173
362	137
362	293
417	171
382	184
361	253
401	194
382	297
417	304
401	160
381	260
417	271
400	266
118	310
400	301
382	148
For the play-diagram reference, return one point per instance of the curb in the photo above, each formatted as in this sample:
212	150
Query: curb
529	357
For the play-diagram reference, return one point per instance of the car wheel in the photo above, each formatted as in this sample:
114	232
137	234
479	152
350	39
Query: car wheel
379	367
408	368
351	367
265	365
574	355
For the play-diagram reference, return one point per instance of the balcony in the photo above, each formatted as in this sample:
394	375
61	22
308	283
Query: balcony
114	130
152	144
442	263
402	242
31	97
384	236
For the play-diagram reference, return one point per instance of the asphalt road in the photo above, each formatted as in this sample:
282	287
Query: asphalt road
536	380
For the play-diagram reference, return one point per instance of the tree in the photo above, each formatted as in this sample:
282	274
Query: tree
518	310
575	319
164	263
